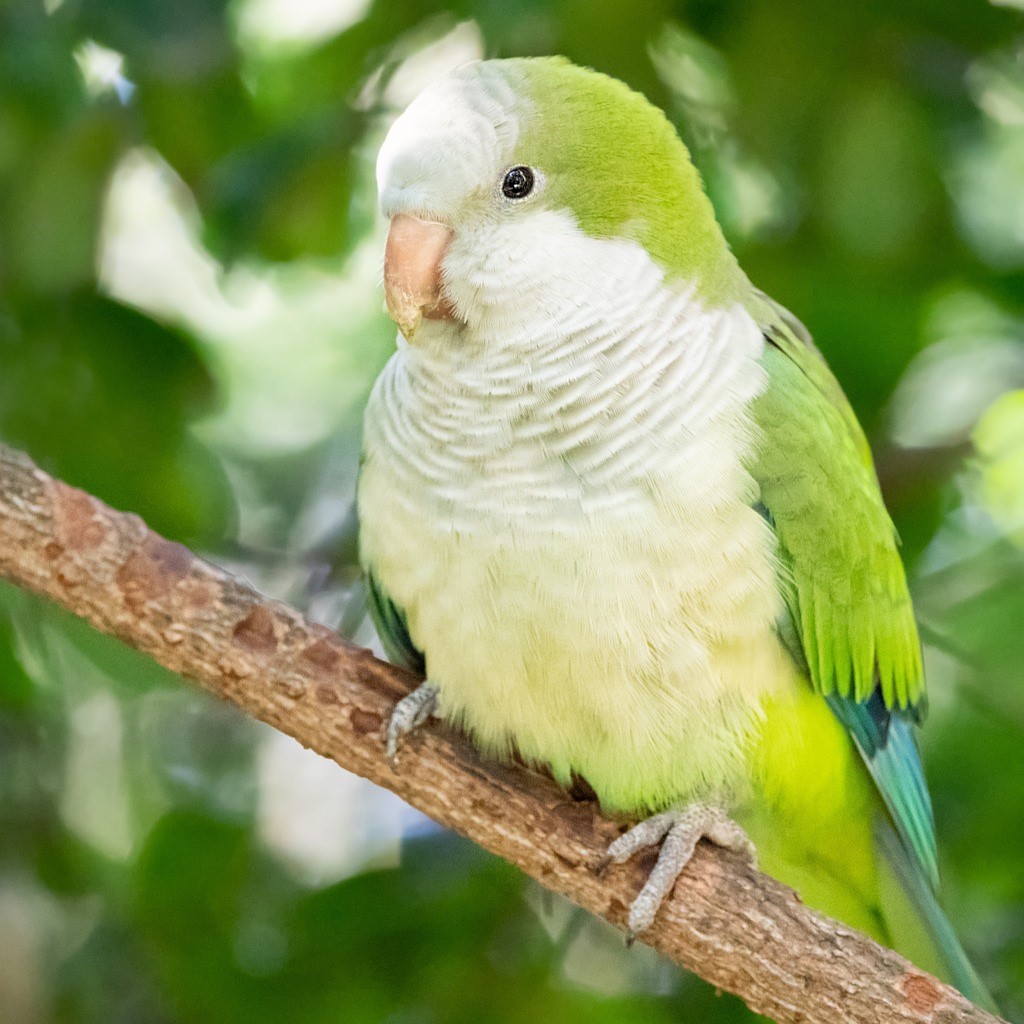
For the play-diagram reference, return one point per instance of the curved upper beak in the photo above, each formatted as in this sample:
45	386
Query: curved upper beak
412	272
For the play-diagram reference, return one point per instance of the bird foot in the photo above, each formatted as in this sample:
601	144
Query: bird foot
678	832
409	714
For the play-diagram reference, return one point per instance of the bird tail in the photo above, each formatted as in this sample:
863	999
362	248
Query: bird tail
941	950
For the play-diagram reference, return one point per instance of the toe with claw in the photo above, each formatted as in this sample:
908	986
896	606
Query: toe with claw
678	832
409	714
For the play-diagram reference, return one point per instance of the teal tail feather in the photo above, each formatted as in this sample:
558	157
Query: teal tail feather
911	878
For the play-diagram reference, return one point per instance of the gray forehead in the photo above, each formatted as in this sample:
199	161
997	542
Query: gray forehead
454	138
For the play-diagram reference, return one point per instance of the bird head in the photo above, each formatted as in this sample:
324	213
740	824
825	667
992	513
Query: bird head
494	175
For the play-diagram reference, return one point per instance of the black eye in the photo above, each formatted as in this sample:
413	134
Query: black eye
518	183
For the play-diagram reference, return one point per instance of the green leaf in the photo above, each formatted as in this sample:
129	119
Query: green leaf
57	204
101	395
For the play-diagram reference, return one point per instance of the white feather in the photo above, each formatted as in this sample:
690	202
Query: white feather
556	496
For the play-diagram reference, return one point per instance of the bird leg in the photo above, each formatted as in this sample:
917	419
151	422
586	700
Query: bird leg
678	832
410	713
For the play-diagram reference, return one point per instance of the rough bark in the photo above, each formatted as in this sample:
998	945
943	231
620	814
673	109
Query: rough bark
740	930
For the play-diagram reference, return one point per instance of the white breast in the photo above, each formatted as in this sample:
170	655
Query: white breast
560	506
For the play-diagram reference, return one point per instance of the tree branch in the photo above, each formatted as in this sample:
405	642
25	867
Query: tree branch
740	930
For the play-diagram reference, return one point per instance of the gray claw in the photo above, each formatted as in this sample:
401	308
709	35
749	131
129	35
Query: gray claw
410	713
678	831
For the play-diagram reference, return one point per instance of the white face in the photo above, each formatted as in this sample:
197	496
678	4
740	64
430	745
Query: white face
510	270
446	160
445	157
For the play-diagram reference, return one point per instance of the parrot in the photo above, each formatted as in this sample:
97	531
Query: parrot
618	513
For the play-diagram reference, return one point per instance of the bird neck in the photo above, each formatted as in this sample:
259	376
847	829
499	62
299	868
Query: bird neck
574	409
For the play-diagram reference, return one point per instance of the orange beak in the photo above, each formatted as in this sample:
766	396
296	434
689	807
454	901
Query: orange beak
412	272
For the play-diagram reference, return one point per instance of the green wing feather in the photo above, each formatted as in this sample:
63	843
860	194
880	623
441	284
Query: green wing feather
850	622
392	629
843	579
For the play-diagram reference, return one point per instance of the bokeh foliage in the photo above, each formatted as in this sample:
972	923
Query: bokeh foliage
867	161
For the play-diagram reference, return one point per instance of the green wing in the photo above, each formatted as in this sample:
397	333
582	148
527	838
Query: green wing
850	622
389	620
392	628
844	583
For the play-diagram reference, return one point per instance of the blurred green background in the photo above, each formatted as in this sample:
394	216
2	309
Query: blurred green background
190	321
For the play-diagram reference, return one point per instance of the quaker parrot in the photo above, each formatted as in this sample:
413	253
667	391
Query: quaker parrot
616	508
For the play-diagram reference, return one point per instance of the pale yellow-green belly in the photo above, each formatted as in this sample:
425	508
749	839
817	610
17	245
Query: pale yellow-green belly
640	656
635	651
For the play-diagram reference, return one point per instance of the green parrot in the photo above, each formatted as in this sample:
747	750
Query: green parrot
615	507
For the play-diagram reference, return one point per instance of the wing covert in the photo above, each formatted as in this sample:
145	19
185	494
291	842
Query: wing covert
841	573
849	619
